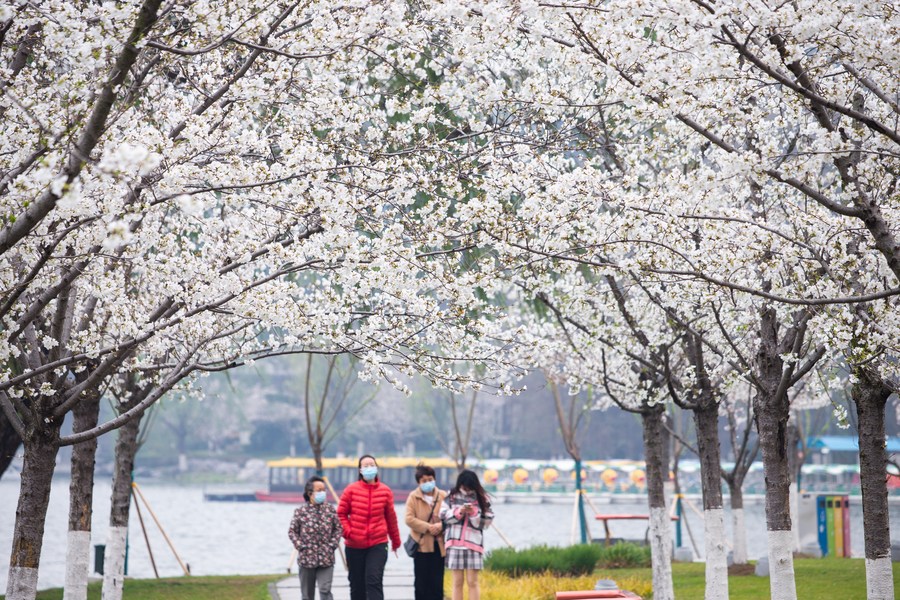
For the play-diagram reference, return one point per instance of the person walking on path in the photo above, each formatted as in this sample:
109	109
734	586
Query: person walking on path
367	514
466	513
423	519
315	532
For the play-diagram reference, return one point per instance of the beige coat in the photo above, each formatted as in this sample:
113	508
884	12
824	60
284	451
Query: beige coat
417	511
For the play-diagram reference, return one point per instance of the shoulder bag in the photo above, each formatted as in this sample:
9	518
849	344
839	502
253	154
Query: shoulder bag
411	546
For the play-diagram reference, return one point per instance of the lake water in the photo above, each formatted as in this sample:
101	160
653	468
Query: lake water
219	538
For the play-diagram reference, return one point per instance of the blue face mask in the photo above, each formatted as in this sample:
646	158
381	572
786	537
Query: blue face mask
427	487
369	473
319	497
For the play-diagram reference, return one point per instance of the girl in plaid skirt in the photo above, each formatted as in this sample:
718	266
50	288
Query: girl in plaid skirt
466	513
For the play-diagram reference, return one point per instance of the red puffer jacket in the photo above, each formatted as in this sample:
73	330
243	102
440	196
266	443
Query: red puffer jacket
367	514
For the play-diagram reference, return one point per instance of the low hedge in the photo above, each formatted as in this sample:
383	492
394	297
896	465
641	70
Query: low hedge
624	556
568	561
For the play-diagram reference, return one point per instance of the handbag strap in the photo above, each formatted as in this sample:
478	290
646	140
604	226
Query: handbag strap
437	497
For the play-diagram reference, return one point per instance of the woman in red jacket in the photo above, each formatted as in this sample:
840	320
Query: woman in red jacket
367	514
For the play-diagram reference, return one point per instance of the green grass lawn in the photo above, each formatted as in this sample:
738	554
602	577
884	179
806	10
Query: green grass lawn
253	587
843	578
817	578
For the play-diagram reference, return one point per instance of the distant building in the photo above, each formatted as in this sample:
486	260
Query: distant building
840	449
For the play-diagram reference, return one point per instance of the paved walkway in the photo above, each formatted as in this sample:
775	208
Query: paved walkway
398	582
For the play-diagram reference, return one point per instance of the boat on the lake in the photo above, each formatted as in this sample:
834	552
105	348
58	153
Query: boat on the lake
287	476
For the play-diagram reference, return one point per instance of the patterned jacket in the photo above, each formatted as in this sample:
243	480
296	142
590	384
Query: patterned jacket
464	531
315	532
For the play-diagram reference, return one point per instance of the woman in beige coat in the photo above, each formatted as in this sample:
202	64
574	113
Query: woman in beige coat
423	508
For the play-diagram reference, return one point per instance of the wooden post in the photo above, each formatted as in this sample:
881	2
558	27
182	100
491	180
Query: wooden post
161	530
137	507
574	520
503	537
584	520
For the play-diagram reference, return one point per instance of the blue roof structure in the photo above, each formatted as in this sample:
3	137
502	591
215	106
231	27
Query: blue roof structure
846	443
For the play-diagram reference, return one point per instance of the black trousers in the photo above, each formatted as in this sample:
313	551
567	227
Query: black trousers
428	568
366	572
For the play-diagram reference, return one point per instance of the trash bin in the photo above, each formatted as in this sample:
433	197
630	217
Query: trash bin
99	550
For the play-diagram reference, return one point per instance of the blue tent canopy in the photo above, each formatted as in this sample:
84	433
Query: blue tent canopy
846	443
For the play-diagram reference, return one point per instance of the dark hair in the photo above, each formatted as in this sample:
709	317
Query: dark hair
423	470
359	466
308	488
469	480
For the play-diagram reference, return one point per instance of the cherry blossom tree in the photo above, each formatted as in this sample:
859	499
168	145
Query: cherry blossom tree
180	180
389	180
817	141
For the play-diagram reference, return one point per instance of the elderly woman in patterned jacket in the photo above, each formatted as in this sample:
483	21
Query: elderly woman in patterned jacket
315	532
466	513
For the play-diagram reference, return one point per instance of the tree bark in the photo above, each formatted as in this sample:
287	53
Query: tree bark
706	420
870	395
771	430
656	446
120	504
738	524
81	500
772	411
41	449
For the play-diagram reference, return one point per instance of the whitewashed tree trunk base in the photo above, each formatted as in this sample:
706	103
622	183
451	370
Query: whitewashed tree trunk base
22	584
739	555
716	554
661	554
114	564
879	579
78	553
781	565
795	515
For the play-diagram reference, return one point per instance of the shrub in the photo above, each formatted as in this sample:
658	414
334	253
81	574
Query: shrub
623	556
571	560
580	559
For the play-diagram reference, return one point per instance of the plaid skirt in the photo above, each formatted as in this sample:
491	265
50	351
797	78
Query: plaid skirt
463	558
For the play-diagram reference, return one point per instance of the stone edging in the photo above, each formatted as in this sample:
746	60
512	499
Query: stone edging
273	591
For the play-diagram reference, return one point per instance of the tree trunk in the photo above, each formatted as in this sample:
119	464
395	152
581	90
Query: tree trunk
81	500
870	396
120	503
656	445
738	525
771	424
706	420
9	443
772	412
34	495
317	455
